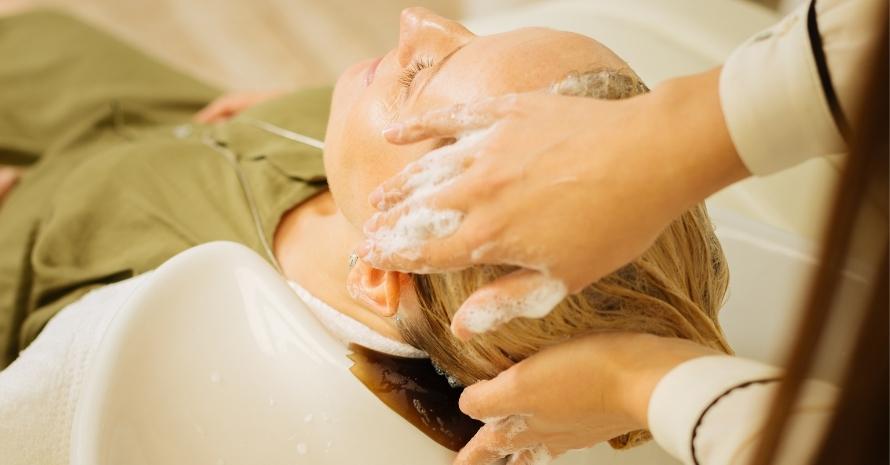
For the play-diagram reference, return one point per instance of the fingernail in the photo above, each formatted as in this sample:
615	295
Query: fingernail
376	198
482	312
362	250
372	224
392	131
459	328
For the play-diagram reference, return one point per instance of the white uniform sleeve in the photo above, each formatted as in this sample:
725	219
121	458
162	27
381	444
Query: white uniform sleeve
711	410
788	92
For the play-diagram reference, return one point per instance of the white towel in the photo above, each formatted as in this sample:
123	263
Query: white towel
39	390
348	330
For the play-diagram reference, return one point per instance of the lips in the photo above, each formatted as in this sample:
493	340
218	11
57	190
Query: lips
372	70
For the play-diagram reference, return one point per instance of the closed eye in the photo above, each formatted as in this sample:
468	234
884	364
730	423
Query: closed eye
410	71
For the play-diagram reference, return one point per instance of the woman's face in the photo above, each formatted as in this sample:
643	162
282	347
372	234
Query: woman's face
437	63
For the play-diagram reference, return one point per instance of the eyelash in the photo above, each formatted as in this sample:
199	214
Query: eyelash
411	70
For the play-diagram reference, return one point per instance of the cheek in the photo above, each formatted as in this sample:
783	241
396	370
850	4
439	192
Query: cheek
335	143
357	158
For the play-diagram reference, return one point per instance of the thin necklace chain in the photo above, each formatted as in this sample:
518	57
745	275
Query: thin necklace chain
282	132
245	184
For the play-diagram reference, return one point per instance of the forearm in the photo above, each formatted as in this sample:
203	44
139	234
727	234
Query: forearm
695	134
682	134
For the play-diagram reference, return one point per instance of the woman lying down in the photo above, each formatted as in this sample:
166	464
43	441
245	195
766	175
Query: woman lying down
117	175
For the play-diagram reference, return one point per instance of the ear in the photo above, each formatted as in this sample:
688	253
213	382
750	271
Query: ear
378	290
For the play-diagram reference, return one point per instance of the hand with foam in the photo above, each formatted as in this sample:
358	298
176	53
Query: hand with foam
567	188
570	396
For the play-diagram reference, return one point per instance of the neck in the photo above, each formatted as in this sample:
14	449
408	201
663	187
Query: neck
312	244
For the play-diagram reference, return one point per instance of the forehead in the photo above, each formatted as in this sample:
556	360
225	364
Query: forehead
517	61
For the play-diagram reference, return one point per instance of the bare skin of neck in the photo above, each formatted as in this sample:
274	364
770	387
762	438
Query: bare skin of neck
312	244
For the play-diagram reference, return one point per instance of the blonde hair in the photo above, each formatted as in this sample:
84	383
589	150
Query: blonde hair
676	288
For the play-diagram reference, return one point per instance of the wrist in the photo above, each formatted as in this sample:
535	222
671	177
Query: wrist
656	357
689	131
636	383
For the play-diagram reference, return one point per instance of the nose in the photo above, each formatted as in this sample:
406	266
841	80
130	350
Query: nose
422	30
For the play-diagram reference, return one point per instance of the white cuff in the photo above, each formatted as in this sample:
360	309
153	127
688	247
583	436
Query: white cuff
686	391
773	100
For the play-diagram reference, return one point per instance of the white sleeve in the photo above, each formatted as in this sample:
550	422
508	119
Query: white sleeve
788	92
711	410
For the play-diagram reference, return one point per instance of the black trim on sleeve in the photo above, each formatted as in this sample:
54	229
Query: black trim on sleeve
824	76
714	402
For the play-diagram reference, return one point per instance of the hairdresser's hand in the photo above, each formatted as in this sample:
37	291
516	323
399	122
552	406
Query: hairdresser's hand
568	188
570	396
9	175
229	105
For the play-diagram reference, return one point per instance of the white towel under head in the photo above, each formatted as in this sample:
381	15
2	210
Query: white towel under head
349	330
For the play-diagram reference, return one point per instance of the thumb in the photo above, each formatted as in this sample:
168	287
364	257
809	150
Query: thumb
522	293
493	399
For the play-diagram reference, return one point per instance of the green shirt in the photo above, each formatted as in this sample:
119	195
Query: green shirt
118	179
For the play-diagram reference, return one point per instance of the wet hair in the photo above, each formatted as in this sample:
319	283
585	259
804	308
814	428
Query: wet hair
675	288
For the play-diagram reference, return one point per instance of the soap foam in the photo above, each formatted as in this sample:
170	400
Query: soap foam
496	309
420	223
513	425
435	170
537	455
412	230
510	427
478	254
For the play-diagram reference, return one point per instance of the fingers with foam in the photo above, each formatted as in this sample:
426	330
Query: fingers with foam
404	239
523	293
495	441
536	455
448	122
410	219
427	175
